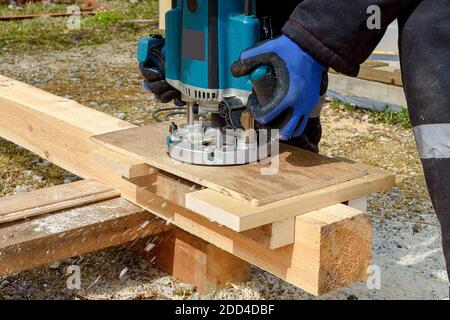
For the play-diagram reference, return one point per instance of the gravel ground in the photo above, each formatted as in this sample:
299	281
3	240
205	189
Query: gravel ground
406	234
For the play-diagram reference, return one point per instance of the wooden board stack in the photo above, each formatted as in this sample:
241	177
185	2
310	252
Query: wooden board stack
291	224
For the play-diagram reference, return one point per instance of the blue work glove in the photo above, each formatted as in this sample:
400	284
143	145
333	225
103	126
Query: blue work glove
154	77
295	87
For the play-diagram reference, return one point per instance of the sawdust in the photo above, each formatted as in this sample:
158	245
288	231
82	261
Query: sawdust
73	218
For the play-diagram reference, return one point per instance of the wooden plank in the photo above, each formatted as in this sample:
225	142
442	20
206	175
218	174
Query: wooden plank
299	171
31	204
374	64
59	131
240	216
73	232
196	261
379	71
384	74
124	166
54	128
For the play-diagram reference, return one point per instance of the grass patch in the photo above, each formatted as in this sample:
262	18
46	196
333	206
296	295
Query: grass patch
385	116
48	34
103	18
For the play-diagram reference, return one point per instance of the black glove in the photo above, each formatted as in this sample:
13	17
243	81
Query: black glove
310	138
155	81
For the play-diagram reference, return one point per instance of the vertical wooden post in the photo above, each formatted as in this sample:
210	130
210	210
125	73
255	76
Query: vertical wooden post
332	247
197	262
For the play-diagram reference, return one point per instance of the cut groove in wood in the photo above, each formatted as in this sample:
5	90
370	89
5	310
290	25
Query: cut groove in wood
34	203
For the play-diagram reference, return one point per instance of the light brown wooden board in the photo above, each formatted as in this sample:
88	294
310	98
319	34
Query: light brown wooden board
34	203
240	217
299	171
379	71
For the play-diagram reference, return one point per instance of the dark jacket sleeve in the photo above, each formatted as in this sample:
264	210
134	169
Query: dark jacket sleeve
336	32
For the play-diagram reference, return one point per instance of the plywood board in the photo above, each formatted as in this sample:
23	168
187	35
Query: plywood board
299	171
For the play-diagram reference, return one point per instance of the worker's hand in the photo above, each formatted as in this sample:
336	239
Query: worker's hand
295	89
155	80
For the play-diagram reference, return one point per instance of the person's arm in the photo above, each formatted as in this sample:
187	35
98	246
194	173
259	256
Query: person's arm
336	32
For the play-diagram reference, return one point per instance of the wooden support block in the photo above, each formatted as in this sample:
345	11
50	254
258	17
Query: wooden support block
73	232
197	262
34	203
124	166
332	248
274	235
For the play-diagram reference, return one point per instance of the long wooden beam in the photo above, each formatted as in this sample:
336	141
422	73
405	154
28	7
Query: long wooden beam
59	130
47	239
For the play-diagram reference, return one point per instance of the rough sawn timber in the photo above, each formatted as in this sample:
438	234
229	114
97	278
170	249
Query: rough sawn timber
31	243
57	198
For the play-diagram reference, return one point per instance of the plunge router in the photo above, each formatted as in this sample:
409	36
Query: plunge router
203	38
